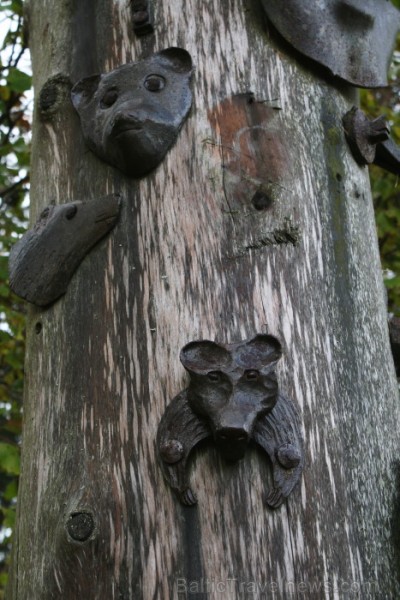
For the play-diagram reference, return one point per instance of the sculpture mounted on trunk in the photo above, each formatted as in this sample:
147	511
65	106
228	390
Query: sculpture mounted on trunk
233	397
43	261
131	116
354	39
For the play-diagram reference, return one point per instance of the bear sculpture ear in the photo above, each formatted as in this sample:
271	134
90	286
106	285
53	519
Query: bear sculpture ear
203	356
261	351
177	59
84	90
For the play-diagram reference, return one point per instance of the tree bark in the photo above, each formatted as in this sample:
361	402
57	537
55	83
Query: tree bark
258	220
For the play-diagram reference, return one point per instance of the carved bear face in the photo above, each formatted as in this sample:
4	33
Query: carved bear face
231	386
353	38
131	116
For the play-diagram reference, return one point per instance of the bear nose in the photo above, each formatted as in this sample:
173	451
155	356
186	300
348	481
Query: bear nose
232	434
127	117
232	442
127	121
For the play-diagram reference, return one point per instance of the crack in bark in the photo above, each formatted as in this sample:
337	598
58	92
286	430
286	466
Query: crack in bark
288	234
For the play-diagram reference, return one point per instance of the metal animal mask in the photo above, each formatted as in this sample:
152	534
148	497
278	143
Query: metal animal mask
233	397
353	38
131	116
43	261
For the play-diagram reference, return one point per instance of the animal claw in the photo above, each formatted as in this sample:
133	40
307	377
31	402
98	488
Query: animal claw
188	497
274	498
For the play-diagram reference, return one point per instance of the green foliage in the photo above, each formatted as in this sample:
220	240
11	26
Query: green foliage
9	458
14	178
385	186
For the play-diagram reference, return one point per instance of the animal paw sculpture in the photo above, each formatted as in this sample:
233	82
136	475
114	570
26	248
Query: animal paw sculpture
233	397
131	116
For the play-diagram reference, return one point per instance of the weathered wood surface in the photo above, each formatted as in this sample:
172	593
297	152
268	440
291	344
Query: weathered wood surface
192	258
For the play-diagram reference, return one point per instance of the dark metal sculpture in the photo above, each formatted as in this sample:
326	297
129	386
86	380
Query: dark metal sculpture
354	39
131	116
370	141
233	397
142	16
43	261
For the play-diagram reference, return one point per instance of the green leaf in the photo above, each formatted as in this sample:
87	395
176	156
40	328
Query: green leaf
9	458
17	7
19	81
11	491
8	517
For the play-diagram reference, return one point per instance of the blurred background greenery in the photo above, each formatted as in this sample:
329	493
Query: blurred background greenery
15	111
15	119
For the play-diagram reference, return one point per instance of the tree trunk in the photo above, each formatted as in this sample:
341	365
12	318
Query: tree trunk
258	220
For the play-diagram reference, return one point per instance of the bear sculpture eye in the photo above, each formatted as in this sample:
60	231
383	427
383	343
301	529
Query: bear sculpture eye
71	212
109	98
214	376
154	83
252	375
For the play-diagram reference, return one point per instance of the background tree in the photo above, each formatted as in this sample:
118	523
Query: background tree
14	165
385	185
